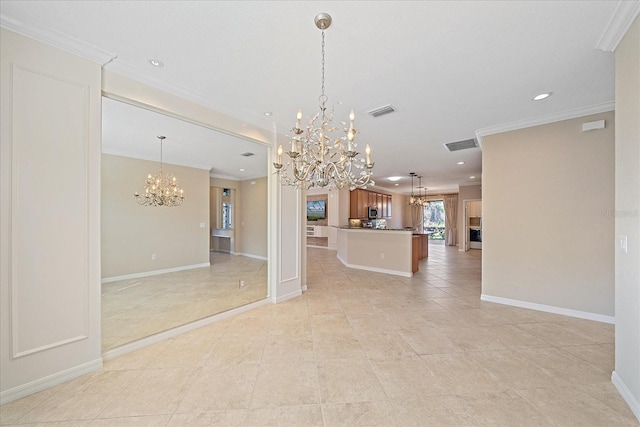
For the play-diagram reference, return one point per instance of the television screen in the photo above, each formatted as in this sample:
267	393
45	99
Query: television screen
316	209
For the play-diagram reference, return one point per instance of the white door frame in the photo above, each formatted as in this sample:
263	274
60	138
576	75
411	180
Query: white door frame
465	241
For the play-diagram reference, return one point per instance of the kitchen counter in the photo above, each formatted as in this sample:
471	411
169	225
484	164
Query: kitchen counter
380	250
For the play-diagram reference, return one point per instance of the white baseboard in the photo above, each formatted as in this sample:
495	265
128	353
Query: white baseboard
626	394
49	381
154	273
171	333
290	295
304	288
263	258
550	309
375	269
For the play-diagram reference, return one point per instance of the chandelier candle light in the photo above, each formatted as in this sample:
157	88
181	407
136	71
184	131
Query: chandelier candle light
419	200
161	190
315	160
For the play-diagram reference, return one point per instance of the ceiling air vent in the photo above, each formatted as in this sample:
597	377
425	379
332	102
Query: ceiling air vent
246	154
385	109
461	145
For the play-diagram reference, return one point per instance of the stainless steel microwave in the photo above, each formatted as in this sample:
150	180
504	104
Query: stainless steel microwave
373	212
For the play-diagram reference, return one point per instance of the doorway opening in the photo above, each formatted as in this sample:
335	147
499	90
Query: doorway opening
433	219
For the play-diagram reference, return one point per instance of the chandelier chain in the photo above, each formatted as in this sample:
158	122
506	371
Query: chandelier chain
323	97
161	189
317	159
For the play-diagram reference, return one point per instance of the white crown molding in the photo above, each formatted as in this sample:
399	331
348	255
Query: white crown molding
59	40
543	120
621	20
124	153
140	75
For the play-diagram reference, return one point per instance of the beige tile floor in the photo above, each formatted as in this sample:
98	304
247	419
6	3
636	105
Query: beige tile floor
357	349
136	308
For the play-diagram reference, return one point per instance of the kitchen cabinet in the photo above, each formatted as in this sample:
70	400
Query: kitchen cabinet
383	210
360	200
475	209
415	253
317	231
359	204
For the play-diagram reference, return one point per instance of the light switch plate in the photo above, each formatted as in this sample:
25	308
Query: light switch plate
622	244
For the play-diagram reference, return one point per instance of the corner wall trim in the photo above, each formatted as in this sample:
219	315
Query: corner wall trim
375	270
154	273
550	309
49	381
626	394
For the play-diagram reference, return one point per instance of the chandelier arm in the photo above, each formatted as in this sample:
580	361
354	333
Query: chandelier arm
161	190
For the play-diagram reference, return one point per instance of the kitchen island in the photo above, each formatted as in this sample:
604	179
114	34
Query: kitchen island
391	251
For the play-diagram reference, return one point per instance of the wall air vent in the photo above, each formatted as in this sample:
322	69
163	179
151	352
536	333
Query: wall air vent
246	154
385	109
461	145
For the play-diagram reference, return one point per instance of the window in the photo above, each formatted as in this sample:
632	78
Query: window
433	219
227	214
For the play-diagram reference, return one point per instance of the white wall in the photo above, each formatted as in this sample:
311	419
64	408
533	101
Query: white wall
132	233
547	238
627	218
50	216
51	109
252	211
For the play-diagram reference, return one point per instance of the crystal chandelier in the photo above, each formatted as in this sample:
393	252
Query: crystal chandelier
315	158
161	189
418	200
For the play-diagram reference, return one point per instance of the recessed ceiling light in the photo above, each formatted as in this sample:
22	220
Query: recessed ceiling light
461	163
241	170
268	113
396	184
394	178
542	96
472	177
156	62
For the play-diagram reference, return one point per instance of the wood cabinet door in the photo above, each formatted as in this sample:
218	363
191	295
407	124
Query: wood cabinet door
389	204
358	204
363	204
372	198
385	202
353	204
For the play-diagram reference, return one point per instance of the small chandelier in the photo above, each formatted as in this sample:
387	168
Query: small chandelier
160	189
317	160
418	200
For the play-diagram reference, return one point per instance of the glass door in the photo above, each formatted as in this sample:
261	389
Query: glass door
434	219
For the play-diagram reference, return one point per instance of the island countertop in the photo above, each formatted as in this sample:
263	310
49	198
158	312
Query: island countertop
380	250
